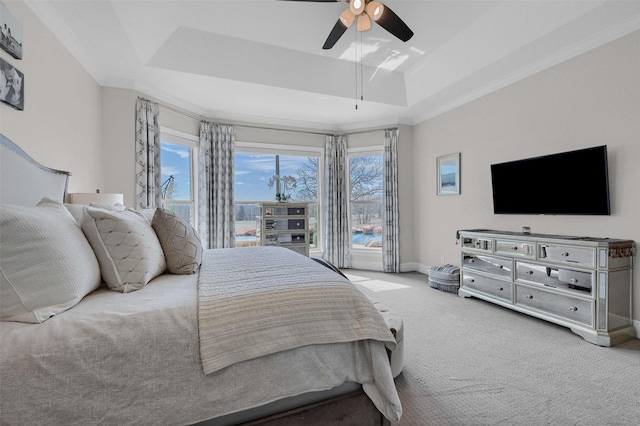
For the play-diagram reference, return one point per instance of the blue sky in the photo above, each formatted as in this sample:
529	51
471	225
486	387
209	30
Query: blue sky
252	172
175	161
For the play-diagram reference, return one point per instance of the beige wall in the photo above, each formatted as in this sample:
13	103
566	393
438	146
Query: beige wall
593	99
60	125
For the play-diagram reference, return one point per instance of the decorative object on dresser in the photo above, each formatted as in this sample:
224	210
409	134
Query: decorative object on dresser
285	225
578	282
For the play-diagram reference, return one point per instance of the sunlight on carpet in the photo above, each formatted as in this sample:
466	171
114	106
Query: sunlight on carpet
375	285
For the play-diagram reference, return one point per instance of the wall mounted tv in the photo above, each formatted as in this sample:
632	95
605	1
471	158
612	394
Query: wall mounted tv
567	183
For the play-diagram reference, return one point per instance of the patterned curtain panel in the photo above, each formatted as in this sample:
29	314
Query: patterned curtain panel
215	185
390	230
148	181
336	230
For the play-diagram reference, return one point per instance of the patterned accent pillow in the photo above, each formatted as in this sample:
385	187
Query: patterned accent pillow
46	264
126	246
180	242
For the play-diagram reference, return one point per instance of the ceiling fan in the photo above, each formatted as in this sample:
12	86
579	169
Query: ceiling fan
365	11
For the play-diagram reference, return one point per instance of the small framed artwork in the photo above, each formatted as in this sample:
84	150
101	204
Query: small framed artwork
11	85
11	29
448	168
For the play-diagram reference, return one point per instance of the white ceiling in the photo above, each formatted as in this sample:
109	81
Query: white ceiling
262	61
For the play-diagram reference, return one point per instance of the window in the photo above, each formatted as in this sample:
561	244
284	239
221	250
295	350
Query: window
178	165
258	169
366	174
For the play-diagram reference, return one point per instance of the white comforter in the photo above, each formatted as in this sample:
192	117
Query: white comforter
134	359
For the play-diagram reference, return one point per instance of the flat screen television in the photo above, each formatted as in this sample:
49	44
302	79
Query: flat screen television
567	183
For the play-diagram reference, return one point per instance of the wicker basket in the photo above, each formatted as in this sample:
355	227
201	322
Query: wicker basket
445	278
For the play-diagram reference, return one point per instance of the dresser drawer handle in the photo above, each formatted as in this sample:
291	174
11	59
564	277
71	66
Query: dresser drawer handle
472	261
573	281
565	254
471	280
515	248
528	296
573	309
530	272
500	288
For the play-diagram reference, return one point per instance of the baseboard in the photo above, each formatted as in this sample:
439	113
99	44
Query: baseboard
636	328
414	267
367	266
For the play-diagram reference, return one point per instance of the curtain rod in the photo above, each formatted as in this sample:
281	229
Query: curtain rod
249	126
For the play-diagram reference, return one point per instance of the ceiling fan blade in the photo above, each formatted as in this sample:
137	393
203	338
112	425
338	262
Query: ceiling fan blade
338	29
344	22
392	23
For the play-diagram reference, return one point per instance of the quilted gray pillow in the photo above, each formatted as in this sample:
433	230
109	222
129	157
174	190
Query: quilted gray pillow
180	242
126	246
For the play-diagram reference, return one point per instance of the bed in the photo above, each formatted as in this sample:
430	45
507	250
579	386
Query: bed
194	348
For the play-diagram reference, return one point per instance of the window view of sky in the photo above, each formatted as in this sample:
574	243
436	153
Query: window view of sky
175	161
252	173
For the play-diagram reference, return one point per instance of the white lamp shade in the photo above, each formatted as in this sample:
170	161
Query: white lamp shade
87	198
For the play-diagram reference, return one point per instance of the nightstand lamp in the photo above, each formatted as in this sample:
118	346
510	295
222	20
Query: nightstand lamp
87	198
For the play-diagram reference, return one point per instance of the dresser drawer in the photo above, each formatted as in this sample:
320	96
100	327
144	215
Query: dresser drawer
297	224
516	248
564	306
490	286
296	211
298	238
551	276
477	243
568	254
489	264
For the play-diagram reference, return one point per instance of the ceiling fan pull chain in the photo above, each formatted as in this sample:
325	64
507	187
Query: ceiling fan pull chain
355	53
361	72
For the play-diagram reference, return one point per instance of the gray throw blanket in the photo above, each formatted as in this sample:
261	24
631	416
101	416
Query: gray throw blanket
257	301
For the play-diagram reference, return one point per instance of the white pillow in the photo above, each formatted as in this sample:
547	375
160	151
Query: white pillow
77	209
126	246
46	264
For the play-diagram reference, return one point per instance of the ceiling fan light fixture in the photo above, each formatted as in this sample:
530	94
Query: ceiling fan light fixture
364	23
347	18
357	6
375	10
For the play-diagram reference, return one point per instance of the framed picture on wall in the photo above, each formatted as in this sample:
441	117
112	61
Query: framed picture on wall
448	179
11	85
11	33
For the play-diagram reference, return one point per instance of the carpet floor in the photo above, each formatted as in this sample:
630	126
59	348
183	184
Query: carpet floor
469	362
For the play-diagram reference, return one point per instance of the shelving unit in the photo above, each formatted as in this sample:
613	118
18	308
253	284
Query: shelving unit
578	282
284	225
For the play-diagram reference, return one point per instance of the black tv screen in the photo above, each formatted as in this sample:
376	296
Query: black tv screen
568	183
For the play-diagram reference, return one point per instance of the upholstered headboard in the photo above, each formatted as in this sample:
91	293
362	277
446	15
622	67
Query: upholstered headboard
24	181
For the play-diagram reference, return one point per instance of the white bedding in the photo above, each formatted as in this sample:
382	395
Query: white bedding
134	359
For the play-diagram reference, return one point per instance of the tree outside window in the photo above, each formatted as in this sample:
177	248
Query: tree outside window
256	179
366	190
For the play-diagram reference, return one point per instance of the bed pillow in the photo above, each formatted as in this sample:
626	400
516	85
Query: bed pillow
180	242
126	246
46	264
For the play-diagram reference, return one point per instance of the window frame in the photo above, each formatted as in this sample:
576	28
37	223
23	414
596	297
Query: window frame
268	148
366	151
177	137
